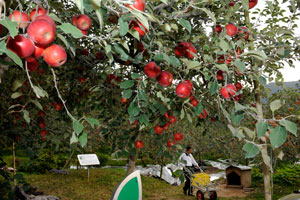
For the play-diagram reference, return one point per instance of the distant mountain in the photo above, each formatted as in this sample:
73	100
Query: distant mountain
275	88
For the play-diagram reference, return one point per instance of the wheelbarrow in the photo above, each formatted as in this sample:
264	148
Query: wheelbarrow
201	183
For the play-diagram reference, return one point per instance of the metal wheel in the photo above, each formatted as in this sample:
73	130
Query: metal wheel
213	195
199	195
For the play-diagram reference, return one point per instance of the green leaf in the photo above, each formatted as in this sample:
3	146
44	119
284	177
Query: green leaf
275	105
199	109
238	107
257	54
37	104
236	132
70	29
26	116
182	114
193	65
223	67
55	18
263	81
261	128
120	50
68	44
83	139
250	133
133	110
266	158
278	136
127	93
224	45
124	27
144	120
245	4
158	58
251	150
210	14
213	87
142	96
17	84
80	5
189	117
136	76
100	12
92	121
10	54
73	139
77	126
40	91
127	84
16	95
240	65
174	61
161	96
290	126
186	24
236	119
11	26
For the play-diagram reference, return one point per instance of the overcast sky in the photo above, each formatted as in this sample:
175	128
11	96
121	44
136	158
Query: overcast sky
289	73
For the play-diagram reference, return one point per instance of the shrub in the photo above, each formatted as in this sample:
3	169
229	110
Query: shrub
103	158
288	174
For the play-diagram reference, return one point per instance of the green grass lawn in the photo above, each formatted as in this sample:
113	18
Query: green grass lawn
75	186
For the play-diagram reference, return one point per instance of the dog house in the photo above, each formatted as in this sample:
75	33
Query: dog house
238	176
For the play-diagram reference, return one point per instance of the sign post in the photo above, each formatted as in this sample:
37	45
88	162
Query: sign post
88	160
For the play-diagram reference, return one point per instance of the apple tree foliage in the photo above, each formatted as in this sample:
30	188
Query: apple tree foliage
108	63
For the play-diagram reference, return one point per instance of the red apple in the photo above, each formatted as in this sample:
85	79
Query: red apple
183	90
238	86
139	144
237	97
83	22
138	4
239	51
252	3
178	136
140	48
42	124
166	126
137	26
165	79
48	19
244	31
170	142
220	75
185	49
203	114
81	79
35	13
133	123
221	59
41	113
41	71
20	17
232	4
167	115
84	33
218	28
38	51
152	70
99	55
228	91
32	64
85	52
57	106
20	45
231	30
192	97
43	134
189	83
1	29
55	55
123	100
23	125
194	102
158	130
172	119
41	32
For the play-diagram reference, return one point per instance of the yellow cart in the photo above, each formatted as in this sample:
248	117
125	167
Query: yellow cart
201	183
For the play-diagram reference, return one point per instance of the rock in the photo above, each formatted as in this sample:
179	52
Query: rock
21	195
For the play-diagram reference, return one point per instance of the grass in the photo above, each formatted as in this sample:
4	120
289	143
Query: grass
103	181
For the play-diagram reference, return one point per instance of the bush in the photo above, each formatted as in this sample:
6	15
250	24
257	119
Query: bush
103	158
43	162
288	174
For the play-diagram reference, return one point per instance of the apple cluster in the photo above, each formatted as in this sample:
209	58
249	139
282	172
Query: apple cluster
41	31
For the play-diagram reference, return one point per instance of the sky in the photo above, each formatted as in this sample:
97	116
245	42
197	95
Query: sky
289	73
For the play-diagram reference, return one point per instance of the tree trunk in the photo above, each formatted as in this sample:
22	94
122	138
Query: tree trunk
258	100
14	162
131	164
161	171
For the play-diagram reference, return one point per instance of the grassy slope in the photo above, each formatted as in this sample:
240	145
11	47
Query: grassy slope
103	181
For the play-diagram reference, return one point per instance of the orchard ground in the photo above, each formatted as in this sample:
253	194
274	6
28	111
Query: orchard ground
103	181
